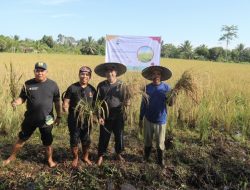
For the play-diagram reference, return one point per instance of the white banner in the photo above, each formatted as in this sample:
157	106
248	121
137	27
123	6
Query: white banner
136	52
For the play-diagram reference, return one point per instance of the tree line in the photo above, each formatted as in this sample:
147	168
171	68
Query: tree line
90	46
63	44
202	52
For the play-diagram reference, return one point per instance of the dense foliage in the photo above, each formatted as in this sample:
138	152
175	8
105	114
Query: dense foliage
90	46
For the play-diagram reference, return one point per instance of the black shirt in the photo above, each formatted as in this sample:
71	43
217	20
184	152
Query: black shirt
40	97
113	94
76	92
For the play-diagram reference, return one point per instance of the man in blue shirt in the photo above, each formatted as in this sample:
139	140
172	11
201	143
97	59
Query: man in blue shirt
153	114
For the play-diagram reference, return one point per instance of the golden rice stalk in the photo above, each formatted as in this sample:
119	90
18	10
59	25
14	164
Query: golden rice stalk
137	89
131	93
86	112
14	81
83	112
188	84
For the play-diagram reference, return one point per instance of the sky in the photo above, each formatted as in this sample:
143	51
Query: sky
199	21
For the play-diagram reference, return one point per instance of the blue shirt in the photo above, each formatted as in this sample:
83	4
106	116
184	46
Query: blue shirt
156	110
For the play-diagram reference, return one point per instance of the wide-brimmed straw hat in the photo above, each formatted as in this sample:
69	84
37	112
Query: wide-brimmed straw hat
102	68
165	72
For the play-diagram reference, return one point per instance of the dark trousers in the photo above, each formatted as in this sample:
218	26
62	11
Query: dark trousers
78	131
116	126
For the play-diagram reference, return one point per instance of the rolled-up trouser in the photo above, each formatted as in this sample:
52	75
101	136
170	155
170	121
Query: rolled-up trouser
78	133
151	129
116	126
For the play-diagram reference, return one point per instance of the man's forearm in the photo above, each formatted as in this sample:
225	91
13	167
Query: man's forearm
65	105
58	108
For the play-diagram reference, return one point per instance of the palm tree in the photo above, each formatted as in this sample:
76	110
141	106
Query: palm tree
186	49
89	46
229	35
101	41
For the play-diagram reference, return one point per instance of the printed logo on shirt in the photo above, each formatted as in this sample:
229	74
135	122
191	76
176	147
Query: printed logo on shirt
33	88
90	94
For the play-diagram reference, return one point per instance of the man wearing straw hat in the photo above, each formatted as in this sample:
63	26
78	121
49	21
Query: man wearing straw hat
112	92
39	94
79	128
153	113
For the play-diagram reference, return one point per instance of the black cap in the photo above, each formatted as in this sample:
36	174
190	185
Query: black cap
41	65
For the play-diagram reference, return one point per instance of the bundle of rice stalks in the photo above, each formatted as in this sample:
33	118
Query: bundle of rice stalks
188	84
86	112
131	93
14	80
134	90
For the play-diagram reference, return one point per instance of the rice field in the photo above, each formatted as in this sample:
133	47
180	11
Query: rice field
224	90
210	136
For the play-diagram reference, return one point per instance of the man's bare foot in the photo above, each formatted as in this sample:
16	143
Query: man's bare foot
87	161
100	160
6	162
52	164
74	163
120	158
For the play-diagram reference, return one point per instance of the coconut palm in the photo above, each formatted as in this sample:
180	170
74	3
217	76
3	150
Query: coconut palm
101	41
186	50
89	46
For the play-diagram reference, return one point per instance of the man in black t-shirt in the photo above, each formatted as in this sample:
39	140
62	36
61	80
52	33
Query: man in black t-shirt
79	128
39	94
112	91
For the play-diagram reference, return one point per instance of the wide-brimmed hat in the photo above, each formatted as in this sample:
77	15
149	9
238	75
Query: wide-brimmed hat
165	72
102	68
